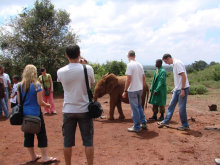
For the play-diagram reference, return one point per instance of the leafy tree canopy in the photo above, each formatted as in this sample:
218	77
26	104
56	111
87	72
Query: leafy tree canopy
37	36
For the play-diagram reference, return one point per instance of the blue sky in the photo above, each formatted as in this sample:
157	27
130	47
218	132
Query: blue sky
187	29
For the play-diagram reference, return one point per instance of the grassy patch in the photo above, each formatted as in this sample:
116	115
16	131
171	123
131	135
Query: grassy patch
198	89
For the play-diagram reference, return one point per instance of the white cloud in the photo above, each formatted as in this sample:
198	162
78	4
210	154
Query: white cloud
12	10
108	29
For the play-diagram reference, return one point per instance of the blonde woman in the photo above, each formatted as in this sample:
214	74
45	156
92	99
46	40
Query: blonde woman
31	106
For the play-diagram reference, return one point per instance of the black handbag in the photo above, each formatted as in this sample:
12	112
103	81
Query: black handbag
95	108
16	114
47	92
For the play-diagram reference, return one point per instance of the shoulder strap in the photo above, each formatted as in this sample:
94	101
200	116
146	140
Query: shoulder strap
20	91
43	81
87	84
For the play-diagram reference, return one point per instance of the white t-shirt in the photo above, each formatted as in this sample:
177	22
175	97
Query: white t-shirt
14	90
179	67
74	85
136	71
6	79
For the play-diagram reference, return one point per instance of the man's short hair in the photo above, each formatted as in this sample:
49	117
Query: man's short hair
42	69
73	51
159	61
131	53
166	56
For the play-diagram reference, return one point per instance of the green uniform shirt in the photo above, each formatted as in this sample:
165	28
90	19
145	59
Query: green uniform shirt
159	85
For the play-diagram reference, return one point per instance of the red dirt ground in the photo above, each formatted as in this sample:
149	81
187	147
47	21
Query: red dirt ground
115	146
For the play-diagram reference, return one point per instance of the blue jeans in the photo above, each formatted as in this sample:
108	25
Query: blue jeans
182	107
3	106
6	100
138	115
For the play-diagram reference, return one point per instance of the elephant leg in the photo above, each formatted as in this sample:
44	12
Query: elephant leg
121	114
143	100
112	109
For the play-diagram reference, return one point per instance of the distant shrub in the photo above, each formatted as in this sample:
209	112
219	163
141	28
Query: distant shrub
216	73
197	89
211	84
169	89
58	89
149	73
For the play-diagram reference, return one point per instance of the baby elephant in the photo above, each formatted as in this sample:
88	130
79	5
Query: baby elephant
114	86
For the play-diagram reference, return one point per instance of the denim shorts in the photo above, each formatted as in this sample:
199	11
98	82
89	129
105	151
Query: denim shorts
70	121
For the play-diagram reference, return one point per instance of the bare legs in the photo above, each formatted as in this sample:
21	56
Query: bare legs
43	154
32	153
67	155
89	155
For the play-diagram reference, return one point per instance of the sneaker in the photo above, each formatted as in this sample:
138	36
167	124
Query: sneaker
182	128
217	161
144	125
161	124
132	129
54	112
46	113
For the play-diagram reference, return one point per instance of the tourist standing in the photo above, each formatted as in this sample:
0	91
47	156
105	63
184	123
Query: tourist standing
134	88
76	101
180	93
47	84
31	106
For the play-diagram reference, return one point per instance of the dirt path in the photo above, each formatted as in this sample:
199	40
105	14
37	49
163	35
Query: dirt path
115	146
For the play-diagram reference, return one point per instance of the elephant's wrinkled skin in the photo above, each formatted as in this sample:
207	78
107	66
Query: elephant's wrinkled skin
114	86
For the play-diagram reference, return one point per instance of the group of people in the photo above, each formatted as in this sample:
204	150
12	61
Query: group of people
35	92
75	106
7	91
134	86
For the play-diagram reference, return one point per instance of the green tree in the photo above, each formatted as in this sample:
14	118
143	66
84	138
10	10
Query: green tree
37	36
98	69
118	68
199	65
213	63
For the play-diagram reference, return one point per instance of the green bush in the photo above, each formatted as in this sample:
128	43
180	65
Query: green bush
211	73
169	89
211	84
58	89
198	89
115	67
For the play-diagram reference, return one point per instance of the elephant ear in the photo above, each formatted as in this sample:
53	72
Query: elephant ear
111	82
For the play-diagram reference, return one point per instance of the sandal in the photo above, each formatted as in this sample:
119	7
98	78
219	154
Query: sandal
51	160
35	160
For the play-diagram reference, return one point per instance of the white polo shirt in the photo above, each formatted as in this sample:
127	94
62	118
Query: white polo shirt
74	85
179	67
136	71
